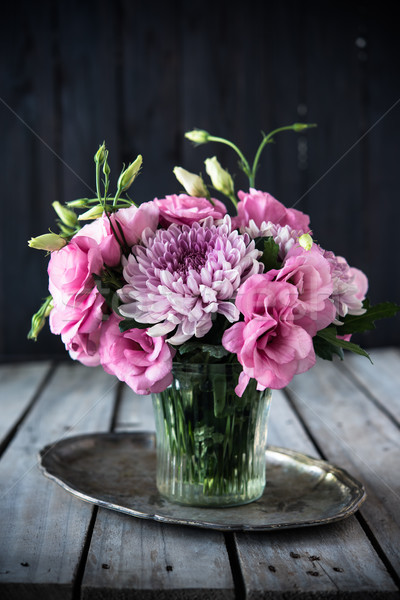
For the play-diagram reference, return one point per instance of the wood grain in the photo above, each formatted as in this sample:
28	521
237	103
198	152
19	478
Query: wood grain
19	384
43	527
380	380
353	433
153	560
329	561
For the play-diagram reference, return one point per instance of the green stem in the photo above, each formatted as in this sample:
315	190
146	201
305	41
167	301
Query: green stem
116	197
245	165
233	200
268	139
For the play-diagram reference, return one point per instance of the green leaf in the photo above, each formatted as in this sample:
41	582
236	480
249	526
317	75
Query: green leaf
215	351
330	335
108	290
270	252
325	349
365	322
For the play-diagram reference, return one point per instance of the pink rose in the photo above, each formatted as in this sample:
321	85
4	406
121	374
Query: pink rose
186	210
70	270
100	231
78	305
310	272
269	344
143	362
82	316
135	220
84	347
261	207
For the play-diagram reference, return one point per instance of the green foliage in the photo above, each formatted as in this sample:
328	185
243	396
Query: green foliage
195	350
327	343
270	251
332	343
365	322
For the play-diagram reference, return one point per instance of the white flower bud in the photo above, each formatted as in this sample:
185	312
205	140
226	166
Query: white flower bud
220	178
193	184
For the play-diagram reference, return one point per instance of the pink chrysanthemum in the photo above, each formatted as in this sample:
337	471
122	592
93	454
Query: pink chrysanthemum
179	277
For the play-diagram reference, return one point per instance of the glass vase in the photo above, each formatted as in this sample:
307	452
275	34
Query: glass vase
211	444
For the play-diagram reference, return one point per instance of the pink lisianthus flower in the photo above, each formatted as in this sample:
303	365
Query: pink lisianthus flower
261	207
135	220
186	210
84	347
70	270
269	344
143	362
78	306
179	277
79	326
100	231
310	272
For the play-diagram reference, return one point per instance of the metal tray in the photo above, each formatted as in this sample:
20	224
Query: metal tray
118	471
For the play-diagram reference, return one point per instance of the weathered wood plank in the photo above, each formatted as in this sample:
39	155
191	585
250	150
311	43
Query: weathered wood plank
152	560
43	528
276	563
353	433
381	379
18	383
330	561
285	429
135	412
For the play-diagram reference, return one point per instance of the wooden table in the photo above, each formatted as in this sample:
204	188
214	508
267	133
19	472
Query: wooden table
53	545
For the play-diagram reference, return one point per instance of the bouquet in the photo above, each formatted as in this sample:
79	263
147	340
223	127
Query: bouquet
191	278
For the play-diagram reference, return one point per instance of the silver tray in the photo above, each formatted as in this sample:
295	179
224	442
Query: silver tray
118	471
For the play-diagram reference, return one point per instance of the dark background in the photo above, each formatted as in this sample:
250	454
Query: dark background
140	74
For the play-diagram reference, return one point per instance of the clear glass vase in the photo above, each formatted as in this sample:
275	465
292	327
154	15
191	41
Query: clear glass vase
211	444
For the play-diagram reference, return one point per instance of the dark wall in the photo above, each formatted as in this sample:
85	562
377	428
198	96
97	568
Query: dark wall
140	74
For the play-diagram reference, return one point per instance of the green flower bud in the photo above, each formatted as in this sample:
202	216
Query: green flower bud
101	154
306	241
92	213
39	318
127	177
193	184
48	241
79	203
220	178
303	126
106	169
68	217
198	136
